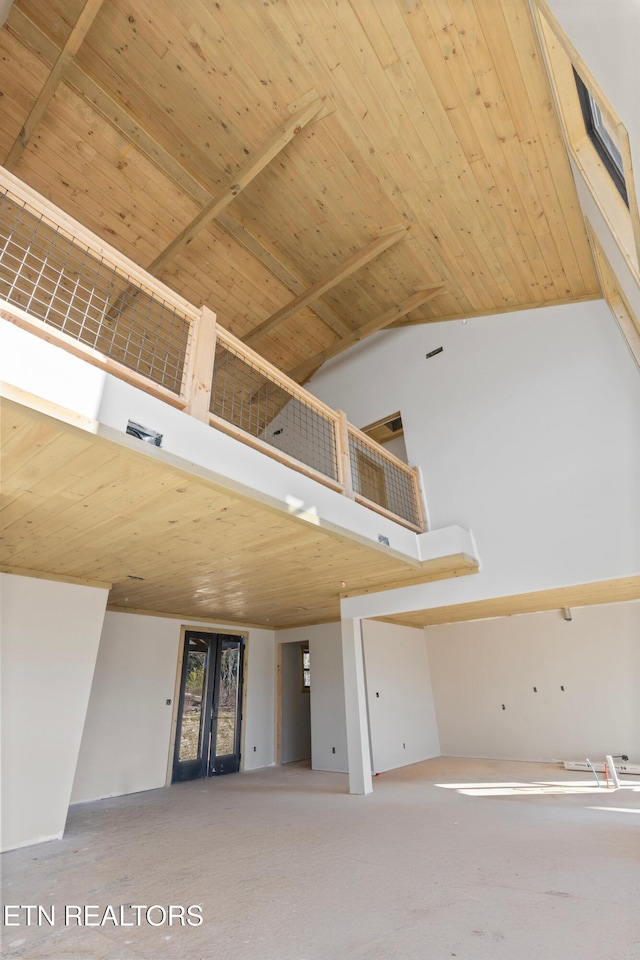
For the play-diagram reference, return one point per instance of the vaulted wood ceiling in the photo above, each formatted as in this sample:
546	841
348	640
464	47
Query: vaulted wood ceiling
313	170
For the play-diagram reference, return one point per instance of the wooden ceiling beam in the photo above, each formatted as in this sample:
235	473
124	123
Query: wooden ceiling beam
159	153
269	259
336	276
248	172
304	371
67	53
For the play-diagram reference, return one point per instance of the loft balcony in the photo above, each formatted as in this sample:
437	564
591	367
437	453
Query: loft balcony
63	285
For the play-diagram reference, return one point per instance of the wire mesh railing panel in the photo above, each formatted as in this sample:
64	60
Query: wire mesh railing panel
381	480
244	395
67	285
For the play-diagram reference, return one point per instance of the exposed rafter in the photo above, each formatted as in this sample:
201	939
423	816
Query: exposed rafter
274	265
68	52
336	276
160	153
247	173
304	370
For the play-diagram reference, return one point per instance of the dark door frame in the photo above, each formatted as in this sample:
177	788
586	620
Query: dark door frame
206	764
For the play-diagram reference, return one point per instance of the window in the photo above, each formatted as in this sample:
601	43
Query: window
597	140
603	136
306	669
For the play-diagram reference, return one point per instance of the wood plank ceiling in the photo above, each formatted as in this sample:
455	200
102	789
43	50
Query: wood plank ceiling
164	540
312	170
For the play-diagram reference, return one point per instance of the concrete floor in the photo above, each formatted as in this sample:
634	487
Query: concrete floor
287	866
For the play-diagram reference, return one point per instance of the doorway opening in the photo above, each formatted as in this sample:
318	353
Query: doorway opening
389	432
209	709
294	671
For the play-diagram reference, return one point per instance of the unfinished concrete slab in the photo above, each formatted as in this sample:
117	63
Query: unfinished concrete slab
447	858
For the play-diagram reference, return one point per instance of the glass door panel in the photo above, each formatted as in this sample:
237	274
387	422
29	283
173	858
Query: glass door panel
208	730
193	707
227	743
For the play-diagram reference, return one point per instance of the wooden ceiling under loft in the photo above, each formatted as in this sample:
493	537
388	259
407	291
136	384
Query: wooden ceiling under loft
313	171
118	515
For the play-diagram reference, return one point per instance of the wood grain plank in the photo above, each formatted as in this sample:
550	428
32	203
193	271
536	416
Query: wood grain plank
343	270
247	173
89	11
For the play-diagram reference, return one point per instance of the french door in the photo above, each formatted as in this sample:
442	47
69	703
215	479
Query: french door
209	710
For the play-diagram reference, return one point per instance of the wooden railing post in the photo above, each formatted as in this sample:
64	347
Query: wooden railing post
343	455
200	368
422	519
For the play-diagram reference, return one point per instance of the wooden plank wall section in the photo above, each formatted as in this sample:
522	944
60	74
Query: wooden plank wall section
436	116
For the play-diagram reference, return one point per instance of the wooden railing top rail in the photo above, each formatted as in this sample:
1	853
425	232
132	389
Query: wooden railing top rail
74	231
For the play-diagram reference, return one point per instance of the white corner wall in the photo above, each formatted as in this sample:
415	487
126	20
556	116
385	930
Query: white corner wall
525	428
125	743
128	731
478	666
402	719
50	635
328	720
260	705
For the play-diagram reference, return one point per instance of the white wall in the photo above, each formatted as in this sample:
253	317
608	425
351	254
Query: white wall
302	432
125	742
398	448
50	635
328	721
478	666
128	731
526	431
5	7
296	706
260	682
402	719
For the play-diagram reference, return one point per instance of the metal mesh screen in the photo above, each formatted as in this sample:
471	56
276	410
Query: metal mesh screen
380	480
63	283
243	395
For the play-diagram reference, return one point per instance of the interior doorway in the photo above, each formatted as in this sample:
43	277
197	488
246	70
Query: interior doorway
294	692
209	708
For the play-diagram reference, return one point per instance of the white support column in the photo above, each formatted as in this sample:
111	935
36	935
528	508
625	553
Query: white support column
358	755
